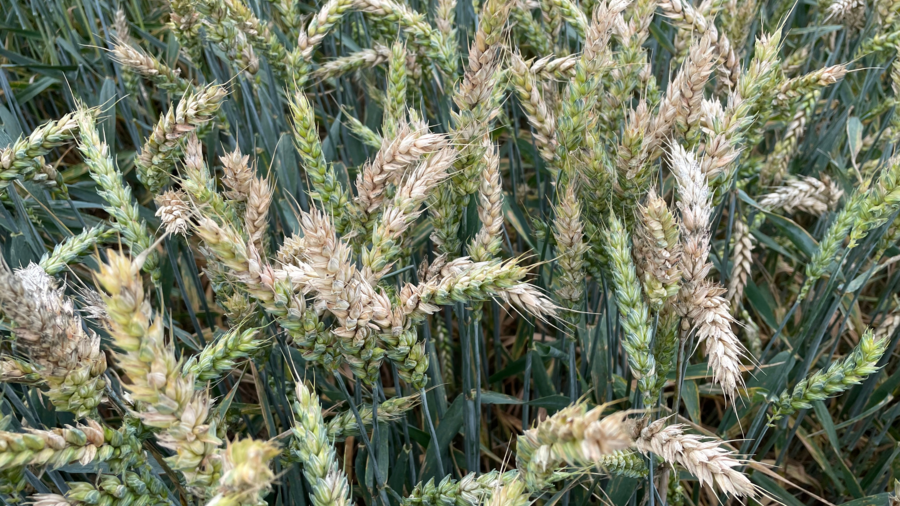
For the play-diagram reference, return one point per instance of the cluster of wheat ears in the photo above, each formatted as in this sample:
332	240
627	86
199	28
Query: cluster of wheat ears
641	235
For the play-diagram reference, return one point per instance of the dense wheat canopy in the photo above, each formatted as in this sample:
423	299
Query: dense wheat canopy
449	252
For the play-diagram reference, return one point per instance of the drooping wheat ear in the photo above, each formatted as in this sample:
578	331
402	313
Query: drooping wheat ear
665	345
316	452
865	211
200	184
173	211
804	193
418	30
464	280
67	357
741	261
54	448
138	61
364	58
22	160
396	156
486	243
839	376
700	456
575	436
74	247
256	214
470	490
575	117
326	188
344	425
802	86
657	250
246	473
185	23
568	230
387	235
222	355
633	311
539	116
395	106
132	488
329	15
258	34
573	15
169	401
223	29
699	301
365	134
157	156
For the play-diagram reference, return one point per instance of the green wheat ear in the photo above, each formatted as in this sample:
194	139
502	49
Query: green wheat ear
839	377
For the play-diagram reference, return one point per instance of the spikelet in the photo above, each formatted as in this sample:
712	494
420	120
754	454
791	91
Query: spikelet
246	476
702	457
173	211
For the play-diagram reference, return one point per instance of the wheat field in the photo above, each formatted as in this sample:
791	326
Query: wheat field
449	252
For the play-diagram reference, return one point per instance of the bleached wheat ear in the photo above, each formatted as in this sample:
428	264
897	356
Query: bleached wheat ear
700	456
700	301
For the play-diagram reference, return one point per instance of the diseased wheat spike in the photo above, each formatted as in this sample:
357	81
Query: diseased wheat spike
698	300
839	376
138	61
804	193
256	214
700	456
66	356
167	396
657	251
222	355
246	473
173	211
536	110
633	311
